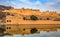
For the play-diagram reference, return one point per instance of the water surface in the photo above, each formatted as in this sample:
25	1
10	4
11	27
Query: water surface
41	34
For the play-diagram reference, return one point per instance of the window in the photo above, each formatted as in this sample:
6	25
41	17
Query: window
8	27
8	20
24	29
24	18
47	18
8	13
32	17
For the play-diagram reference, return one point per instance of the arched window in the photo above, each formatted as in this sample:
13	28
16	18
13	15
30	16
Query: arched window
24	29
8	13
8	20
24	18
32	17
8	27
48	19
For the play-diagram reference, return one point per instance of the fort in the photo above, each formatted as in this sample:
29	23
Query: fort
27	21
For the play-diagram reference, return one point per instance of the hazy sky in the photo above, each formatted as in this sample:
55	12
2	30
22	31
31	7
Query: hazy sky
35	4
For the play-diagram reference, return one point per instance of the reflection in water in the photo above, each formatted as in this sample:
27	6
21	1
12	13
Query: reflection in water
1	36
42	34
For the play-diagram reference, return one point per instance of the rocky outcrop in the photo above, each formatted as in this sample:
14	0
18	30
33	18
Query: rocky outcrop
5	7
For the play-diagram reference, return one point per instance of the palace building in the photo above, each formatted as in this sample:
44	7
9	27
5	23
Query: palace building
27	21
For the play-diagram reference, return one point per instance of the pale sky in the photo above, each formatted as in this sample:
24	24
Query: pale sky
43	5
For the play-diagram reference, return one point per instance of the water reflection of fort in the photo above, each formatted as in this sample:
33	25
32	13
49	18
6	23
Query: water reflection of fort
27	21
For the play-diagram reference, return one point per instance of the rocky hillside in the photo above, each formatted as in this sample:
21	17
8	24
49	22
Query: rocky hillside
5	7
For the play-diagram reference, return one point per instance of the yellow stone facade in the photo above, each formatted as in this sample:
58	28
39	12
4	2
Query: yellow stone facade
15	24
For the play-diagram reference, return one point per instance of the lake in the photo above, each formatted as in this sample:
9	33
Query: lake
41	34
